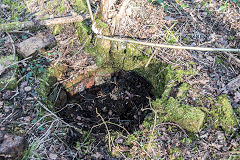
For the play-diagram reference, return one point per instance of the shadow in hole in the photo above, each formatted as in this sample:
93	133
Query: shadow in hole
119	101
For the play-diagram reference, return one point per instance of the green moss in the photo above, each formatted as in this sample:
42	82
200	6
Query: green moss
123	59
16	8
8	77
83	32
175	153
101	24
47	79
219	60
223	114
180	74
56	7
187	40
130	139
61	8
57	29
183	90
189	118
102	55
12	26
156	74
135	49
80	6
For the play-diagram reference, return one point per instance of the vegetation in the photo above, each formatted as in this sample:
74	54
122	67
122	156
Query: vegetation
178	115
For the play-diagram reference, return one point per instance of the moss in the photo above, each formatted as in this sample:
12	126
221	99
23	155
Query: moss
189	118
16	8
14	26
56	7
223	114
181	73
80	6
182	91
130	139
135	49
57	29
47	79
101	24
102	53
8	77
175	153
123	59
219	60
61	8
83	32
156	74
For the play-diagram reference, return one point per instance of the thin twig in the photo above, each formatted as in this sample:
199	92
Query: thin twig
119	127
90	10
13	46
3	13
233	57
9	80
174	124
1	71
230	152
150	58
6	118
53	114
109	135
169	46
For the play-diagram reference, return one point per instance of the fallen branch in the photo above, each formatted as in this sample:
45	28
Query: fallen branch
169	46
29	24
164	45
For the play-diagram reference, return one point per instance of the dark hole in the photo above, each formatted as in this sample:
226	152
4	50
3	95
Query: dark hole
119	101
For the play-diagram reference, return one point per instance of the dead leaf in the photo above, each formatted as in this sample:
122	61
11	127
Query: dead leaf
53	156
1	69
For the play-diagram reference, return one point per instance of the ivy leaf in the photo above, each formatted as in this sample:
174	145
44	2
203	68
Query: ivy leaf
221	9
160	1
165	8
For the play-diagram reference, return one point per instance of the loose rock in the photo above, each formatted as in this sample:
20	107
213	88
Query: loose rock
28	88
31	45
11	146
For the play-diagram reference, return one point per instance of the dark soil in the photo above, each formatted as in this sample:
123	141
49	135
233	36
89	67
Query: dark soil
118	101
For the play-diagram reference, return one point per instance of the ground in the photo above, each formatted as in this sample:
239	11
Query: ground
88	98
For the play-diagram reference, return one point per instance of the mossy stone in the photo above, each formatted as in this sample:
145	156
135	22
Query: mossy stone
223	114
189	118
48	79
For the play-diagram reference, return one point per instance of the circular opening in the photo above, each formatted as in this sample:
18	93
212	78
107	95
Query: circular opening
120	102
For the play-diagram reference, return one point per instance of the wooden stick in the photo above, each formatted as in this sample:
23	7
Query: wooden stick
169	46
47	22
90	10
